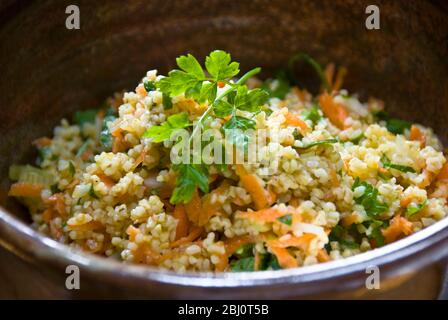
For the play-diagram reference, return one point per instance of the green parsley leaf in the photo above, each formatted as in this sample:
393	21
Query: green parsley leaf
149	85
369	199
269	262
311	62
235	130
208	92
189	177
83	117
176	83
413	209
357	139
243	265
92	192
244	251
166	101
318	143
84	147
237	122
387	164
312	114
394	125
286	219
219	65
105	134
250	100
71	168
277	87
222	108
190	65
163	132
376	233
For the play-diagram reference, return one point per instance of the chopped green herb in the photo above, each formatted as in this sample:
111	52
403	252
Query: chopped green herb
376	234
286	219
243	265
82	117
149	85
413	209
92	192
246	250
357	139
269	262
297	135
369	199
71	168
312	114
45	153
318	143
387	164
394	125
277	87
31	174
105	134
84	147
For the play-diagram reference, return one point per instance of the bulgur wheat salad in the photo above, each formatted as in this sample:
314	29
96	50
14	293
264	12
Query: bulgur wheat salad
334	178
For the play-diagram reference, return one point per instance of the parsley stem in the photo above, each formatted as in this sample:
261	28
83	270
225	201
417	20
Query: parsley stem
241	81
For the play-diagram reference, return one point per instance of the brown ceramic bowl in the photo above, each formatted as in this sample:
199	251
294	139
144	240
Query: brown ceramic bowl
48	72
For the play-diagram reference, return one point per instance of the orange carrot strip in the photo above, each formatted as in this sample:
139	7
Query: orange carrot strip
139	160
108	181
398	228
86	155
193	235
405	202
416	134
257	260
335	112
194	208
58	203
293	120
25	189
250	182
329	73
301	94
347	221
265	215
42	142
322	256
48	214
143	252
132	232
340	75
118	144
210	209
141	90
285	259
443	174
89	226
301	242
182	221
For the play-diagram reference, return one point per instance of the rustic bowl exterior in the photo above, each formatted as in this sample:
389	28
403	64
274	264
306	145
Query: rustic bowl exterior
48	72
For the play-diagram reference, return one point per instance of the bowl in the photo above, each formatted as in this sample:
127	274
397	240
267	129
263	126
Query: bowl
49	71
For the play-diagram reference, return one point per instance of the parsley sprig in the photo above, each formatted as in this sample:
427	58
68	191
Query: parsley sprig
191	80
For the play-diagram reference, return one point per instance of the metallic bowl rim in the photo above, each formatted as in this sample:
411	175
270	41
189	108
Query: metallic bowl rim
419	249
